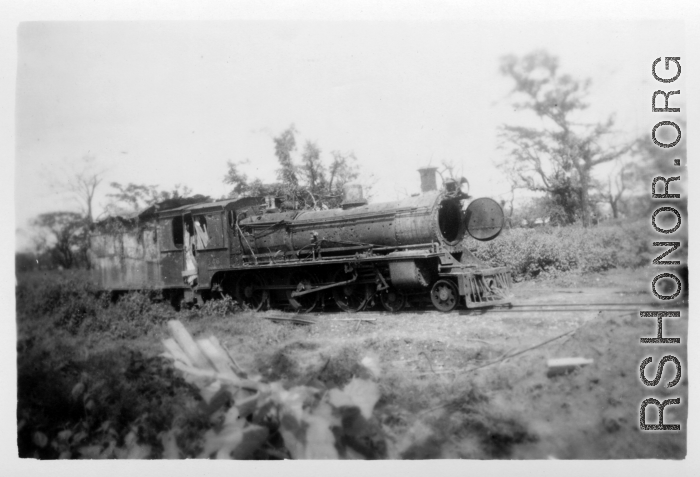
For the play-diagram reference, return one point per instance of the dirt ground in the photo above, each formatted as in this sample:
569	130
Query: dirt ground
437	405
466	384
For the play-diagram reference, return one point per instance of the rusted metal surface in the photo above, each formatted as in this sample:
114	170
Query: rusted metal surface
128	260
171	253
301	260
423	219
484	219
428	179
487	287
146	249
444	295
352	196
409	274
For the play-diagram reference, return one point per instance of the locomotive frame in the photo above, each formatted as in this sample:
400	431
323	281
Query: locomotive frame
395	252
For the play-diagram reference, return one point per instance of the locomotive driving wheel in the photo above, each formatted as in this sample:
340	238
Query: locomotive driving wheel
444	295
392	300
250	291
226	286
351	297
302	281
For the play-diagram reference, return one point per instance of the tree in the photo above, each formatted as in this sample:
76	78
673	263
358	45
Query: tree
343	169
237	179
627	185
134	196
63	238
313	172
137	197
557	157
309	184
617	185
285	144
532	212
81	182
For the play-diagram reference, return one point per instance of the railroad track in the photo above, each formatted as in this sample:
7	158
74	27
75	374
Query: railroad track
514	308
571	307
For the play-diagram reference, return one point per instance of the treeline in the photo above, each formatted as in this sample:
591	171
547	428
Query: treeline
557	153
303	181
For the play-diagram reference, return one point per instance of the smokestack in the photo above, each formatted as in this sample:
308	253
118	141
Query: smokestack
352	196
428	180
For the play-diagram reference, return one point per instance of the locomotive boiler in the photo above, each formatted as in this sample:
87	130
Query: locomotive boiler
411	250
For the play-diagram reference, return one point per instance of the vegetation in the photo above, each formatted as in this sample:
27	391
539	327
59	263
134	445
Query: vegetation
92	382
307	183
132	197
558	156
553	251
80	180
62	237
62	240
94	386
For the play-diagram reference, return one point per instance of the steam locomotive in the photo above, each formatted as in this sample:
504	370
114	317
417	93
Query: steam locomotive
411	250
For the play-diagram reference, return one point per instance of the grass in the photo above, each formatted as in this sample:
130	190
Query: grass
510	410
111	349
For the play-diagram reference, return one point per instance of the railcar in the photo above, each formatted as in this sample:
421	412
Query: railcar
393	253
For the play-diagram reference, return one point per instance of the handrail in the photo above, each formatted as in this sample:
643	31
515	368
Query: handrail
255	259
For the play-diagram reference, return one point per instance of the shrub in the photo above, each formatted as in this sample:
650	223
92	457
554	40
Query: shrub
69	298
548	251
134	314
220	307
80	404
71	302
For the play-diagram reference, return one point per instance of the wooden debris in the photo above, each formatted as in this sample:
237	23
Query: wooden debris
508	355
214	341
353	319
217	356
308	431
308	320
291	319
559	366
187	345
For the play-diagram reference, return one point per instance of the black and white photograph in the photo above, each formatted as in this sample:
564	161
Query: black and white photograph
456	233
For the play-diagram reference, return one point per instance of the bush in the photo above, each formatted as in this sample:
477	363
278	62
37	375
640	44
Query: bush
550	251
69	298
134	314
71	302
220	307
80	404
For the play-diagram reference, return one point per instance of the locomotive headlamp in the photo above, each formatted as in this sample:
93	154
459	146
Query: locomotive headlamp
450	186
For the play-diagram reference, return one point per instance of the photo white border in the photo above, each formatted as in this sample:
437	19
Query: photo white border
13	12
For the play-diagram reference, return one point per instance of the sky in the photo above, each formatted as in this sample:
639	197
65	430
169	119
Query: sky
169	103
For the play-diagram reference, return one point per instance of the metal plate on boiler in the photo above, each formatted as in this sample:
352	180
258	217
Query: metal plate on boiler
484	219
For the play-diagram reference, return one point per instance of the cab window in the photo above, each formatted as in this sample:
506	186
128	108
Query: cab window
178	232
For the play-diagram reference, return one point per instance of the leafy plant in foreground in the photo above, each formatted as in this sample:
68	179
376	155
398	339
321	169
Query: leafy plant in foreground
314	422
